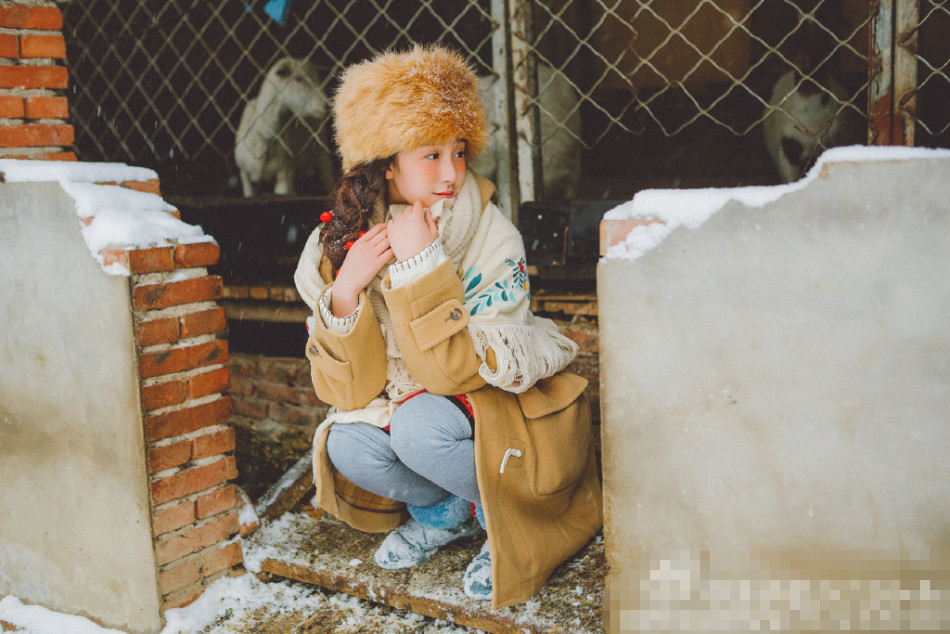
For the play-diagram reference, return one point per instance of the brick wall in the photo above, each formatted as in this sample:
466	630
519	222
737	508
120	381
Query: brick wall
34	109
183	363
275	414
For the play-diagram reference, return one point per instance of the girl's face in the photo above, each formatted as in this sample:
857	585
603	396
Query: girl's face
427	174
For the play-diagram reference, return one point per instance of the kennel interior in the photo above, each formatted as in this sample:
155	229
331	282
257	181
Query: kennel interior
669	93
640	94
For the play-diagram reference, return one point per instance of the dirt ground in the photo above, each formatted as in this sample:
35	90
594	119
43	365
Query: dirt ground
346	615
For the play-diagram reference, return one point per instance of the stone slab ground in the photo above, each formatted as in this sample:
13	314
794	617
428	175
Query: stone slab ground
306	546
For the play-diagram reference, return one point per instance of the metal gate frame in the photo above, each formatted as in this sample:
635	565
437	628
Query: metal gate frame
892	103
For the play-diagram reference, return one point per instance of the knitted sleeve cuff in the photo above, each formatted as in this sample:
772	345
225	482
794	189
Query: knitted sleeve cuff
426	261
342	325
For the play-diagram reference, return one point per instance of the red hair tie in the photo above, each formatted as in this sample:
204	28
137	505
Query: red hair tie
326	216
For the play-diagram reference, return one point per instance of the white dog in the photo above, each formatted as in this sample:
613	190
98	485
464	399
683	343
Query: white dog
276	140
804	120
560	134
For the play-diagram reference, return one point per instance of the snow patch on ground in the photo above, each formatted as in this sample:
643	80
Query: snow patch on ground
233	604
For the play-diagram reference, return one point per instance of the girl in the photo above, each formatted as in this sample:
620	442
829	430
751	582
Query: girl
448	396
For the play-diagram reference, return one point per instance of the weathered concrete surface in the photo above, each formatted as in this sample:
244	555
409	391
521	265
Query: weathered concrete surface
75	534
775	390
325	552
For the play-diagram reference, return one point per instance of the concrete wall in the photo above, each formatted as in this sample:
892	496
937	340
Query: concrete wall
75	530
776	411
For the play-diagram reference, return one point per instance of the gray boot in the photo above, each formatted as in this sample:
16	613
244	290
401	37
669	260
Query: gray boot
477	580
430	528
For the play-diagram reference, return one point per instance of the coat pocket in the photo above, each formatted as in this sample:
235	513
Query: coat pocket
557	419
332	378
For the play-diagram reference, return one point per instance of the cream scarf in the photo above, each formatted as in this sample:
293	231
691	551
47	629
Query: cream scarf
488	252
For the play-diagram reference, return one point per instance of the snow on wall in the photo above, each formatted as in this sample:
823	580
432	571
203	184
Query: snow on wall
692	207
120	217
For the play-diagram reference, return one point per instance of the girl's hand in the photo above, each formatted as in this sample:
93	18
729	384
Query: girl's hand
365	259
412	231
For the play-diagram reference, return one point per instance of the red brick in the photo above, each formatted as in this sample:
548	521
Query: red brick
209	383
164	394
156	296
180	574
275	392
150	186
290	414
33	135
587	342
279	371
240	386
226	557
250	408
183	597
187	420
197	254
58	156
11	107
168	456
309	398
235	292
615	231
172	518
47	108
153	260
193	479
216	502
192	540
34	77
9	46
304	379
184	358
44	46
203	322
213	444
20	16
155	331
244	365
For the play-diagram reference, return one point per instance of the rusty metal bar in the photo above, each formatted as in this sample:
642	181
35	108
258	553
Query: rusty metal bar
881	74
906	24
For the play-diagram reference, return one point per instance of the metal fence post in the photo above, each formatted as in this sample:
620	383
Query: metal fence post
892	89
506	177
881	73
525	89
906	23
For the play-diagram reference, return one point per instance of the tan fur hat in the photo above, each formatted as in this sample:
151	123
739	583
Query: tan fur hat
401	101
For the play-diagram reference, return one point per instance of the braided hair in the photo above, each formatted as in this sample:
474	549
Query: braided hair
352	204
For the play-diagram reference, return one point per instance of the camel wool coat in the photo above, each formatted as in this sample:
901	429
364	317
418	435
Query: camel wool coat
534	451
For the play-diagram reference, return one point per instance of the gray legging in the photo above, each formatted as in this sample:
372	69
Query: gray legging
428	453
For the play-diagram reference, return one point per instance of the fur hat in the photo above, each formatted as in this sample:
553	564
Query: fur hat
401	101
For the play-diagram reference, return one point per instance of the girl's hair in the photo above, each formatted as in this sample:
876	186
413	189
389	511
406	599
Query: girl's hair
352	201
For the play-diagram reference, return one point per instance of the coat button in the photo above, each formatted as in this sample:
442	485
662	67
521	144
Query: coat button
313	351
455	315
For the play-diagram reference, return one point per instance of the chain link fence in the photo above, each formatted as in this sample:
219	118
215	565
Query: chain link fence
607	96
932	92
163	83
